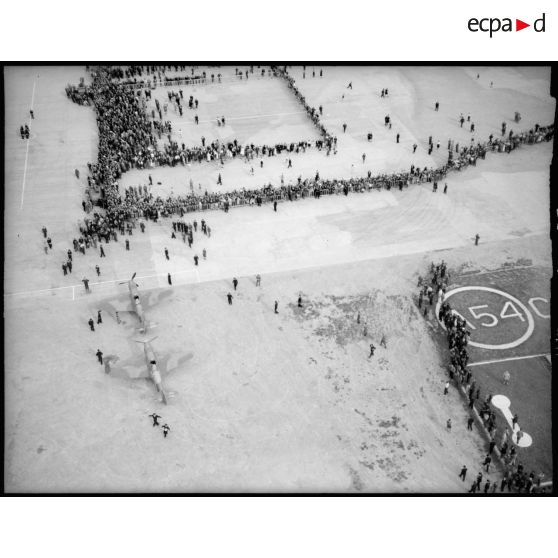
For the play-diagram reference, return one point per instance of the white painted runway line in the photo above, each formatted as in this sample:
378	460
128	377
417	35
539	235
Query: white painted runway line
113	281
27	147
508	359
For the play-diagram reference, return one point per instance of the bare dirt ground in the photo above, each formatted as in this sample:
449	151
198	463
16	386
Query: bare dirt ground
258	401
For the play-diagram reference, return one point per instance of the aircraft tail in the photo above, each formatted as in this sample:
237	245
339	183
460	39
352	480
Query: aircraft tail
126	282
146	339
143	328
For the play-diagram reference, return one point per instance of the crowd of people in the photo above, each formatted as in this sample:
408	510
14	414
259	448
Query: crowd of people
515	476
151	76
312	112
127	139
468	155
174	154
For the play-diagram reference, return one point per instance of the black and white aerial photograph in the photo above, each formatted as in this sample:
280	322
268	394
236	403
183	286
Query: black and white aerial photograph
306	278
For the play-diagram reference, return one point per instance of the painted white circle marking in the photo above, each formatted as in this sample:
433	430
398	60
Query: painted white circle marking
522	339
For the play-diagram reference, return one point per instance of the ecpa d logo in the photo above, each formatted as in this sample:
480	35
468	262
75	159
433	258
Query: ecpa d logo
494	24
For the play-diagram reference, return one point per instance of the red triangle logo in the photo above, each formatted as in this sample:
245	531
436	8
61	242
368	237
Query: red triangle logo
519	25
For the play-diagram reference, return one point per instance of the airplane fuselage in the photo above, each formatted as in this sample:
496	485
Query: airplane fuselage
136	302
151	363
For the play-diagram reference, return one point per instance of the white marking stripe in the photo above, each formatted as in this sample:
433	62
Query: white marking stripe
98	283
509	359
27	148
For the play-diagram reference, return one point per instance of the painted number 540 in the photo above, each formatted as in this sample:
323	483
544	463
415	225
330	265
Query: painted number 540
508	311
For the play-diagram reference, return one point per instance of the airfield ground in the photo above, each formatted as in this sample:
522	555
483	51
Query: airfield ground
260	401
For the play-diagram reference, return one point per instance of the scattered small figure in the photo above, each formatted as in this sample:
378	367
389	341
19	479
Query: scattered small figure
166	254
299	301
463	473
155	418
235	283
99	354
506	378
372	349
448	425
258	280
230	298
91	324
477	237
98	270
276	310
169	279
166	430
85	281
470	421
446	388
99	319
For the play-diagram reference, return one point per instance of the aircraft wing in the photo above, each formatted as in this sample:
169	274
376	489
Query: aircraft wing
130	372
